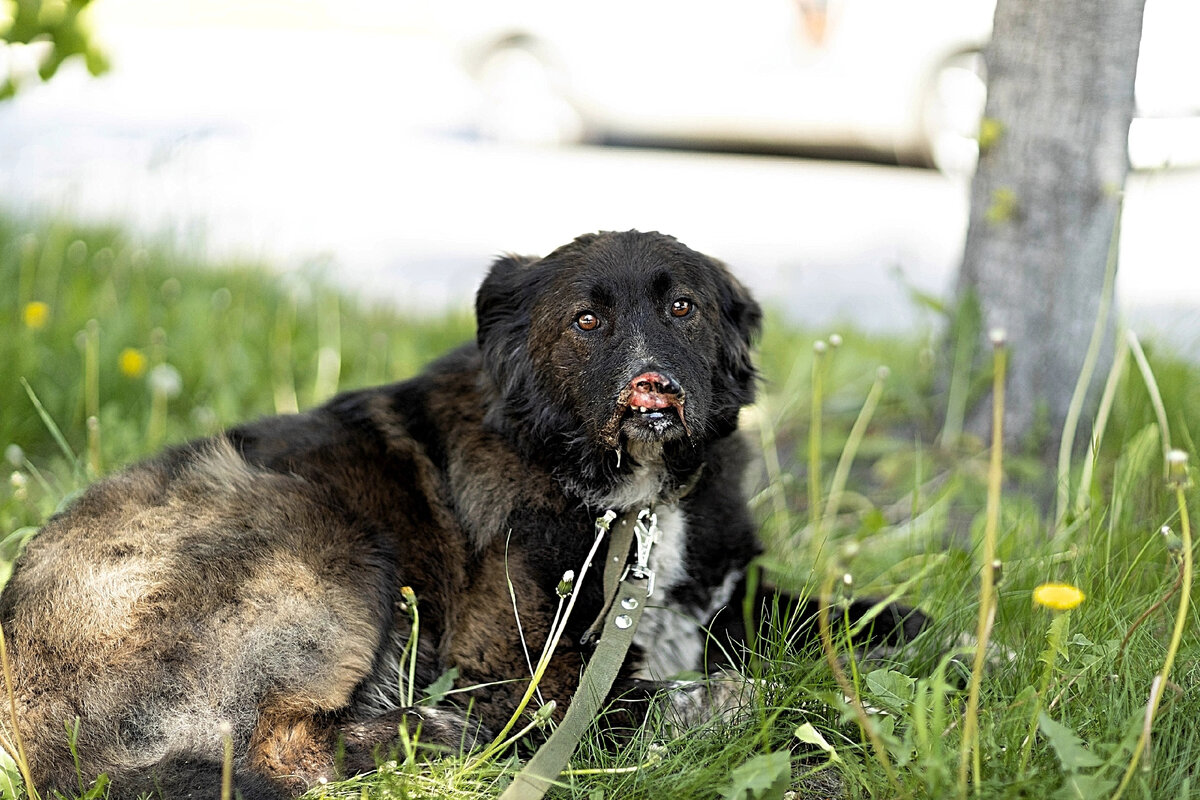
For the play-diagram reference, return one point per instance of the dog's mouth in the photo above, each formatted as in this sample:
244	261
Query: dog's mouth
649	408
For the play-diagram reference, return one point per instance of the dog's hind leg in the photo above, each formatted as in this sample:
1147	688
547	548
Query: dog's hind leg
431	730
298	751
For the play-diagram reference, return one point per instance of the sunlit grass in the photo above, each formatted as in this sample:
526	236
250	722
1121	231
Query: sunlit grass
125	347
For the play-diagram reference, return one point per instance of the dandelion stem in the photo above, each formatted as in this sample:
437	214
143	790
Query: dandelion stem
987	588
847	688
329	350
283	381
415	637
1160	411
91	395
18	754
556	632
814	451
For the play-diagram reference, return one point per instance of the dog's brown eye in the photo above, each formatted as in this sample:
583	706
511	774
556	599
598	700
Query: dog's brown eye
681	307
587	321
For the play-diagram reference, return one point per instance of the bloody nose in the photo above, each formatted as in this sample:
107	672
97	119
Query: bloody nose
654	383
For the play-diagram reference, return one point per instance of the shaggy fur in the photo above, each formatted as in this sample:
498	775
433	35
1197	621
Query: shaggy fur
251	581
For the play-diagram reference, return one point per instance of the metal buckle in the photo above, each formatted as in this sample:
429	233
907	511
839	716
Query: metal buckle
645	528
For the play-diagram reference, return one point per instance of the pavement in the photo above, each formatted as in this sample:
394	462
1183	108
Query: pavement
268	151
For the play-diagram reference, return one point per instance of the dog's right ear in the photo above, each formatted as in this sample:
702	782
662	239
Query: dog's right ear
503	313
499	303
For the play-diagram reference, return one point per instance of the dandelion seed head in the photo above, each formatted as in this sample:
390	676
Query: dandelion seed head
205	419
819	346
170	290
222	299
14	455
77	252
835	340
165	380
1177	470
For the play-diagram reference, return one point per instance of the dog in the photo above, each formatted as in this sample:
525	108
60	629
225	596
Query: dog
251	587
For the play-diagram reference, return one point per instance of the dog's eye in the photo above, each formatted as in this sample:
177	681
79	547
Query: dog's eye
681	307
587	321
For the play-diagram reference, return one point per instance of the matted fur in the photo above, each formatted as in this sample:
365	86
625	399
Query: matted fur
252	579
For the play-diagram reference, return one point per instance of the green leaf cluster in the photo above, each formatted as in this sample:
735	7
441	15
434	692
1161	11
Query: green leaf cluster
56	30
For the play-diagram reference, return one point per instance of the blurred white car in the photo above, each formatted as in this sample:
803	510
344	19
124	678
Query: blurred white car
904	80
900	78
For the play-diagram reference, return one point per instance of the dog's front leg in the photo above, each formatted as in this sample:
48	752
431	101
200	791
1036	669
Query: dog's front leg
778	614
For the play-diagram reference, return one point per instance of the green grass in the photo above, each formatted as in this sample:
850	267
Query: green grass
246	343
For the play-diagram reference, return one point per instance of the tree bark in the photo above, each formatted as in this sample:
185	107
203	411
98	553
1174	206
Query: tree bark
1045	201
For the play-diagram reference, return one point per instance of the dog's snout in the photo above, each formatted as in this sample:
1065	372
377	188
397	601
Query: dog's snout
655	382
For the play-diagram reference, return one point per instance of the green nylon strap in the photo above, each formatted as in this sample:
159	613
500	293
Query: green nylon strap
626	603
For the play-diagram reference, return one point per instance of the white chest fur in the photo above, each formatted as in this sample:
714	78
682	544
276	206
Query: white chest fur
670	634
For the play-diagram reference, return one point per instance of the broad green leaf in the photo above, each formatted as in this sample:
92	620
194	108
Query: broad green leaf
764	777
890	689
1071	751
1085	787
437	691
810	735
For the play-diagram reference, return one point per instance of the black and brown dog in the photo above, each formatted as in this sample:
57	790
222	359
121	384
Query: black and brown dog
251	581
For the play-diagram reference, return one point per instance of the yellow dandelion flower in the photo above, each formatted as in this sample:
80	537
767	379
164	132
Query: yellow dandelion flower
36	315
1058	596
132	362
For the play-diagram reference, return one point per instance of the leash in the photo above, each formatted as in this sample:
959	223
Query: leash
626	589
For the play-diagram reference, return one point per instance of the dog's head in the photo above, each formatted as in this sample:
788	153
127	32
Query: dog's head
617	339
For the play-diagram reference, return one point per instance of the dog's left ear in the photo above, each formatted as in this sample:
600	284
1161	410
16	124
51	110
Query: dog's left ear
743	323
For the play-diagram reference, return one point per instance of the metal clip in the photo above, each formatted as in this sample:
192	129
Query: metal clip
645	528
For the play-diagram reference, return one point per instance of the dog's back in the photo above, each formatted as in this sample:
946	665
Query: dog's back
186	595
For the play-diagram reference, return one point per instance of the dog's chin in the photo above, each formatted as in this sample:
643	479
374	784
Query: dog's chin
652	426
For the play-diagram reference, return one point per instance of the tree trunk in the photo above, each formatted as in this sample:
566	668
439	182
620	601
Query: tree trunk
1045	201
